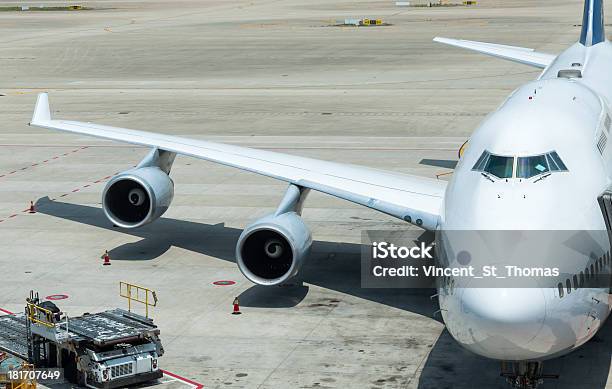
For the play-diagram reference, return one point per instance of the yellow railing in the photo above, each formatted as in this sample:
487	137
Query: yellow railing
139	294
40	315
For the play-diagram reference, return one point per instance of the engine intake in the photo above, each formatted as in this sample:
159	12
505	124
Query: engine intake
137	197
273	249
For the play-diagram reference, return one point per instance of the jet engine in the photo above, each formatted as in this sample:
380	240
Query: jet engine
137	197
273	249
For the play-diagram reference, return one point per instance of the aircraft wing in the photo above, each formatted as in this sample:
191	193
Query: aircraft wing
417	200
513	53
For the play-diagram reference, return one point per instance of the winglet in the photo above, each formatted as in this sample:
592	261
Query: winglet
41	111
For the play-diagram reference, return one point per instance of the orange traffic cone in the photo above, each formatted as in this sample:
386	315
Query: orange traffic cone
32	209
236	307
106	258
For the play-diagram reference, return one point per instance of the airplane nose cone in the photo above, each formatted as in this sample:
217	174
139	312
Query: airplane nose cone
503	323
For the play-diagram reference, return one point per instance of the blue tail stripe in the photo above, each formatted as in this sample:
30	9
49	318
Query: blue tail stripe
592	26
585	22
599	34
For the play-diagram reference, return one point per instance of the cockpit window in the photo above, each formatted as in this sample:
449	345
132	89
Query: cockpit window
527	167
497	165
482	161
556	161
531	166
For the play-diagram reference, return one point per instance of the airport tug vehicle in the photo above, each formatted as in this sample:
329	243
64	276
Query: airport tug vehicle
110	349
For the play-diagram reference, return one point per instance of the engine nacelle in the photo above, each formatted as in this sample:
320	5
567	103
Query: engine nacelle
137	197
273	249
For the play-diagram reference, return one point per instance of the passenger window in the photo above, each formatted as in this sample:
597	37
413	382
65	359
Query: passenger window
581	280
575	279
568	286
560	287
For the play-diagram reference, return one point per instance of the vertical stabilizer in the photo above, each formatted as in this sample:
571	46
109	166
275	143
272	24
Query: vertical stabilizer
592	23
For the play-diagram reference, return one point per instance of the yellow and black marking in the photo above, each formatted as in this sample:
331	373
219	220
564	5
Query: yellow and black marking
372	22
365	22
463	148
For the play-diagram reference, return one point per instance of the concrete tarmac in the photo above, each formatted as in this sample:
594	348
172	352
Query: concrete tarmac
276	75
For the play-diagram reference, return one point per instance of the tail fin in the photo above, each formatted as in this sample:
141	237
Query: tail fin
592	23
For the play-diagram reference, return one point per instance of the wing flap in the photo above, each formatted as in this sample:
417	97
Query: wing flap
522	55
411	198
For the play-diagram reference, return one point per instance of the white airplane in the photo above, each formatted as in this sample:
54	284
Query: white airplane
539	162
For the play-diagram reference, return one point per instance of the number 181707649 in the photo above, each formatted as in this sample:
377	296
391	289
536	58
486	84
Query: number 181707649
35	374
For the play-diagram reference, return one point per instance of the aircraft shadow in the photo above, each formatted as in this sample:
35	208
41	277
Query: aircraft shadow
285	296
331	265
443	163
451	366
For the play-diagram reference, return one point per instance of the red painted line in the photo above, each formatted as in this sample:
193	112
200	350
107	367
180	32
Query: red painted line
46	160
7	312
187	380
55	198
